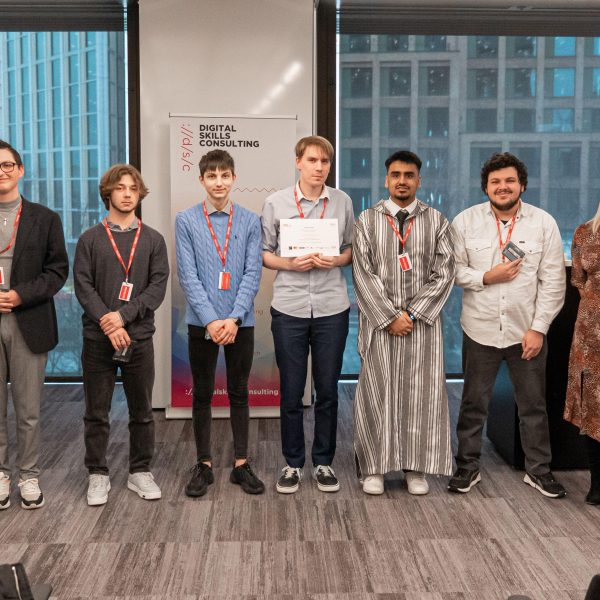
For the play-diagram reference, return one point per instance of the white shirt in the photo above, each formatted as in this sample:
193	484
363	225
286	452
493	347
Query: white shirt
393	208
499	314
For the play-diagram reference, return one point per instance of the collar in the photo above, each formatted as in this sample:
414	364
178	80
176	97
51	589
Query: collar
524	210
324	194
9	206
393	208
210	209
114	227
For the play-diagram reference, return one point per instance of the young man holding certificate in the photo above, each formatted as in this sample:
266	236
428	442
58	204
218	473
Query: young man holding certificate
219	268
120	271
310	306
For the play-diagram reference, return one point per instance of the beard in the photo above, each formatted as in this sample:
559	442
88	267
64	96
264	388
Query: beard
122	211
506	206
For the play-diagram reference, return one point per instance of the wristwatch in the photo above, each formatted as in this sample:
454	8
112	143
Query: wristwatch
238	322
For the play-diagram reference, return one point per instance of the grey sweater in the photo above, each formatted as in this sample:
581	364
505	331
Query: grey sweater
98	276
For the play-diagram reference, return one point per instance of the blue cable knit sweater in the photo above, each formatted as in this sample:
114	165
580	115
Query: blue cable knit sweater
199	265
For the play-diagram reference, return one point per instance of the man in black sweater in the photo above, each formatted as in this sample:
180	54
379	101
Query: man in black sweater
120	271
33	268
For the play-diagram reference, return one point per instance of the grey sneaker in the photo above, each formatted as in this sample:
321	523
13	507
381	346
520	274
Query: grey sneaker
31	495
98	488
4	491
143	485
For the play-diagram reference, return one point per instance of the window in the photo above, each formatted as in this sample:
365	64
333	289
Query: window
483	46
520	120
357	122
434	122
393	43
356	43
560	82
395	81
561	46
64	132
356	82
482	83
521	46
431	43
503	97
520	83
434	81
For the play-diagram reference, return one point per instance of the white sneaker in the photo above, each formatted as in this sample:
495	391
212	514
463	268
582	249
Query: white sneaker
417	484
143	485
4	491
31	495
98	488
373	484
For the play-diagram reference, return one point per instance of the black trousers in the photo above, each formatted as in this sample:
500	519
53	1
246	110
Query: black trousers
481	364
203	362
99	376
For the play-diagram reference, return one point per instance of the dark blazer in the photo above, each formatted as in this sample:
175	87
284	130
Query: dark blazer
40	267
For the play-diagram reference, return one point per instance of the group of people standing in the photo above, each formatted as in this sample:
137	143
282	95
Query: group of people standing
405	255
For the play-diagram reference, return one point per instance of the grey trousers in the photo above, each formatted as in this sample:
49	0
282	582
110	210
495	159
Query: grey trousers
480	365
25	371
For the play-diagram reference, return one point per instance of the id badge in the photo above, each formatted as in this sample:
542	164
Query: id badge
125	293
405	262
2	276
224	280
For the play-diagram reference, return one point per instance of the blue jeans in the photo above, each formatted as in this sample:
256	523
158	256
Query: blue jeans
326	338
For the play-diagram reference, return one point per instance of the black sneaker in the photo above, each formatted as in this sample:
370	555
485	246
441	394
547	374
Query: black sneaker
463	480
245	477
289	482
545	484
326	479
202	477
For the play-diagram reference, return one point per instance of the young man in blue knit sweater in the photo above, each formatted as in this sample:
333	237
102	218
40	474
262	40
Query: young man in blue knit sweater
219	266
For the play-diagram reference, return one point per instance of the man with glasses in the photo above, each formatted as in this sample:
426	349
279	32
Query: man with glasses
33	268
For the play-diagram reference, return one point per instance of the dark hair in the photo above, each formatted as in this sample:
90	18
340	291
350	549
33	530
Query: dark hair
405	156
216	159
6	146
111	179
314	140
501	160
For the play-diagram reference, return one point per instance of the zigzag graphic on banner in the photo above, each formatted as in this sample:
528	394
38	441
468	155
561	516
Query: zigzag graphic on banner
245	189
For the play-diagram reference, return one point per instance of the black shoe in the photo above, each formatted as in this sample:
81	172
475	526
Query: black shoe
202	477
326	479
545	484
463	480
289	482
245	477
593	497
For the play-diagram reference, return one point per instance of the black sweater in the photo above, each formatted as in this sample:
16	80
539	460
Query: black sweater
98	277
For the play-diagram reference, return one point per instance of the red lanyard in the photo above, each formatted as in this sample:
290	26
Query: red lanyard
398	234
222	254
14	233
510	230
116	250
300	208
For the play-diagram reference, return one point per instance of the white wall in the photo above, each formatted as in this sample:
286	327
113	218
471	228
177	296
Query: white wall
215	56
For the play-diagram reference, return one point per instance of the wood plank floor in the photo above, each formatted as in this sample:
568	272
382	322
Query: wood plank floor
503	538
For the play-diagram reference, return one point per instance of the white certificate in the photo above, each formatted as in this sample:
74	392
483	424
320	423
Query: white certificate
298	237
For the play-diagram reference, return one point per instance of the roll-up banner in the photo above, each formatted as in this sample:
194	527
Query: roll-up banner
263	150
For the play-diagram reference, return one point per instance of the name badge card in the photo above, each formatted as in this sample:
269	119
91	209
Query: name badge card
125	293
224	280
405	262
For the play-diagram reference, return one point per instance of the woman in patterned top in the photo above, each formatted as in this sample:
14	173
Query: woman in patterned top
582	407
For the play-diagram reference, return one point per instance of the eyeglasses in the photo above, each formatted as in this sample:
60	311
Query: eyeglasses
8	167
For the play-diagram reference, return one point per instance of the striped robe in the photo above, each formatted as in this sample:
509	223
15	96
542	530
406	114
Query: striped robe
401	405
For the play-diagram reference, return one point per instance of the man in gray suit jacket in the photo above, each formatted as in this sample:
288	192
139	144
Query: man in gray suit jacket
33	267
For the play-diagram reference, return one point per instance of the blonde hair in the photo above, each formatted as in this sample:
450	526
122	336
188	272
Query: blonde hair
111	179
596	221
314	140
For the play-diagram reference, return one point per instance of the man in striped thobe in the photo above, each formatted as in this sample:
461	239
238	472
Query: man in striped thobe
403	271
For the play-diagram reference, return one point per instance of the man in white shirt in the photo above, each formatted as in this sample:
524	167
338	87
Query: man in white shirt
509	261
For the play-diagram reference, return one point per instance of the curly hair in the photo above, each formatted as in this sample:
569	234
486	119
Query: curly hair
502	160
